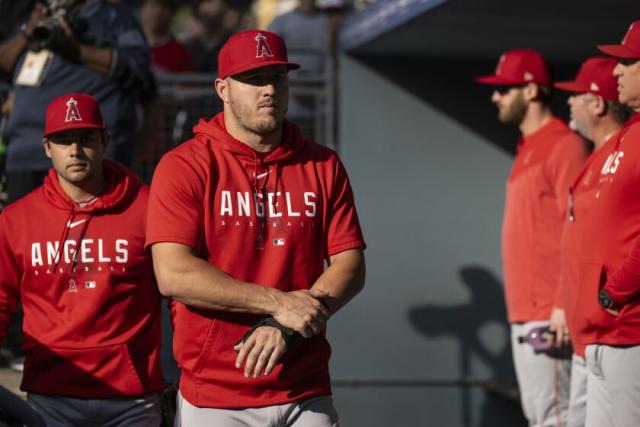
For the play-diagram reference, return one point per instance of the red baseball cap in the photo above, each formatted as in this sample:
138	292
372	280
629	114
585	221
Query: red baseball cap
595	76
630	47
73	111
251	49
519	66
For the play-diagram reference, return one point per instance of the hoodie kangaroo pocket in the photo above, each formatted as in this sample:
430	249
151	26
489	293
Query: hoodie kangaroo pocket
207	346
588	310
97	372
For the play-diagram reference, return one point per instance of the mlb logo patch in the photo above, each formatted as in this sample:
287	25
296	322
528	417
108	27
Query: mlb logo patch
278	242
90	284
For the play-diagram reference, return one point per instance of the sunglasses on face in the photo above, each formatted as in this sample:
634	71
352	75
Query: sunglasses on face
504	89
628	61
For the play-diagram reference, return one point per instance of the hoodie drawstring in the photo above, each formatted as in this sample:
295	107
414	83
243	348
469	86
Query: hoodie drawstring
262	191
83	231
65	233
276	200
261	220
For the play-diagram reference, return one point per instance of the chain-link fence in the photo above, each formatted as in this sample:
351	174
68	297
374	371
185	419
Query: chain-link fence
185	98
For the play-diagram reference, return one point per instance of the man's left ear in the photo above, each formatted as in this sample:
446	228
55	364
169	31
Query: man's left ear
531	91
222	88
599	105
47	148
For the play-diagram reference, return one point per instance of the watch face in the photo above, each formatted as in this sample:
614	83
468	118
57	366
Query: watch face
605	299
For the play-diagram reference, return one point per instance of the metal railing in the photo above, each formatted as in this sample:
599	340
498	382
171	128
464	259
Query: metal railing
185	98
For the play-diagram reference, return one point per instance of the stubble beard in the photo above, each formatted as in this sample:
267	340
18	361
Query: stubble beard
251	122
264	127
515	112
581	128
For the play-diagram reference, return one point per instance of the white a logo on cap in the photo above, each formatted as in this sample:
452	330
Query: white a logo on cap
262	48
528	76
594	87
500	62
626	36
73	114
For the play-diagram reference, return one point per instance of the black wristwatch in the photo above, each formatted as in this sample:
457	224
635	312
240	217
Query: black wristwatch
605	300
288	335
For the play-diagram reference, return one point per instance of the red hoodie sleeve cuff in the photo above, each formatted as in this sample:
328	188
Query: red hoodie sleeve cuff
558	299
623	285
622	295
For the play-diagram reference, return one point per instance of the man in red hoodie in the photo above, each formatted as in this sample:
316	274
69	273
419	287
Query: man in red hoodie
549	156
607	303
241	221
598	116
73	250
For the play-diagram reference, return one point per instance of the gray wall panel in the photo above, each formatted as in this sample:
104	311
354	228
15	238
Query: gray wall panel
429	193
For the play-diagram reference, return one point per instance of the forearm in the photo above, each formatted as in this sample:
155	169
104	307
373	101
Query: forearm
343	279
183	276
195	282
624	285
558	299
97	59
11	50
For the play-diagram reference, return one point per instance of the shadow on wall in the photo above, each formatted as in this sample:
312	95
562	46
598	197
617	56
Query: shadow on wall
468	323
449	86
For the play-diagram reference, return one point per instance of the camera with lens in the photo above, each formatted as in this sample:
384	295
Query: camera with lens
49	31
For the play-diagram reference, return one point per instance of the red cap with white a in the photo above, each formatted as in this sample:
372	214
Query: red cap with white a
630	46
595	76
73	111
519	66
251	49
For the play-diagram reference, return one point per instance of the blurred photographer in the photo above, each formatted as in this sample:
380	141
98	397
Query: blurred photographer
64	46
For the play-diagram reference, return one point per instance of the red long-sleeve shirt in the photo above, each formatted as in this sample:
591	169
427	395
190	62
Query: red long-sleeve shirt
575	239
546	165
609	256
624	285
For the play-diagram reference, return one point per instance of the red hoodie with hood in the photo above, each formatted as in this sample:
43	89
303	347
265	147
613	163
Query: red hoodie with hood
576	238
270	219
91	305
607	258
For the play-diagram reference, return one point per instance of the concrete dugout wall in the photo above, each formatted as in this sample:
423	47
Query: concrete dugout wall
430	327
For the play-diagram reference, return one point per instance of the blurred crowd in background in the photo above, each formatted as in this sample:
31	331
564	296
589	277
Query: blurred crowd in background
180	44
151	66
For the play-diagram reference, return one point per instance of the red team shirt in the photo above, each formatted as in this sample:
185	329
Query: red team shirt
91	304
545	166
270	219
612	226
576	237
